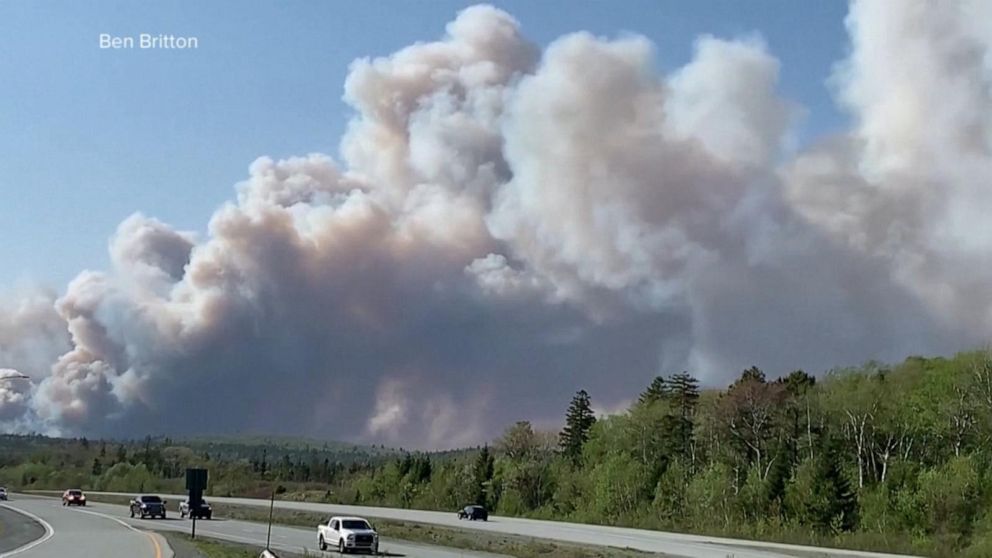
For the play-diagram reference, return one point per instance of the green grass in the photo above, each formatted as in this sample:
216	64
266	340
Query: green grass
216	549
205	547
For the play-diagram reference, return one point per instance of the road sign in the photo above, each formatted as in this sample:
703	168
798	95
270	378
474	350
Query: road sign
196	483
196	479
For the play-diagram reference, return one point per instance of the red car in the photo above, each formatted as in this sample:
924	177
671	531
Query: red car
73	497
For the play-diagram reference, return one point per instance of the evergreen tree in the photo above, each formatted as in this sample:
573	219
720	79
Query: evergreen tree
753	374
482	475
779	474
656	391
97	469
797	386
578	422
832	504
404	465
684	392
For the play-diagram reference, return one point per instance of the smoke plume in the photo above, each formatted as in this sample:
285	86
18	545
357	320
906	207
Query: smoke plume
507	225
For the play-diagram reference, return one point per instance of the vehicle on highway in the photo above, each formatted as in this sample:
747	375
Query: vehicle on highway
73	497
202	511
473	513
348	534
3	493
148	506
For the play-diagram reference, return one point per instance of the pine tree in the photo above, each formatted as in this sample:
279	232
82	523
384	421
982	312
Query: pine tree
779	474
97	469
832	504
683	390
578	422
657	391
753	374
482	475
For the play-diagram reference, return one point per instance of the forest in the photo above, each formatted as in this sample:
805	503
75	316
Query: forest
877	457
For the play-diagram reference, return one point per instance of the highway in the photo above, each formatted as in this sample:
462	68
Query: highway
59	531
292	539
672	544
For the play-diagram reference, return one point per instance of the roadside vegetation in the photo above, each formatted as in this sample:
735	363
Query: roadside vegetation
892	458
204	547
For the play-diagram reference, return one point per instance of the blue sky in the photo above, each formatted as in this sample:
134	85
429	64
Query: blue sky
88	137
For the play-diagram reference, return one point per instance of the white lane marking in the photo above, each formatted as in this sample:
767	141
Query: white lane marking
112	518
149	534
49	532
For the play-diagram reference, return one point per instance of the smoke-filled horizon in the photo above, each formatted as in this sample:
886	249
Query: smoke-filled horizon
505	225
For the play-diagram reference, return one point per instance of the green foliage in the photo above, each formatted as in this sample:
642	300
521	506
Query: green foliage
949	496
618	486
482	475
891	458
709	497
578	421
671	492
830	505
656	391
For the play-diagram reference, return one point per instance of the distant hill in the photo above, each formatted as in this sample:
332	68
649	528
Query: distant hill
252	446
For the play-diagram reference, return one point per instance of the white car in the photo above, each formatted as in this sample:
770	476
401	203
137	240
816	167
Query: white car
3	493
348	534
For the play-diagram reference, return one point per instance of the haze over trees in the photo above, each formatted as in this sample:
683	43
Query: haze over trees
881	457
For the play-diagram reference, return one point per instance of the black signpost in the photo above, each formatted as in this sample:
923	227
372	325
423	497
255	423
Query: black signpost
196	483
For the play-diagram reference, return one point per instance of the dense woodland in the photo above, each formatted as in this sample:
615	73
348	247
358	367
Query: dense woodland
879	457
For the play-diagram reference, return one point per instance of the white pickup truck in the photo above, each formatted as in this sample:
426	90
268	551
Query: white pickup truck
348	534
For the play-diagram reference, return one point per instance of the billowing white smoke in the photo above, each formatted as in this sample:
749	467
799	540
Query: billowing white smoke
508	226
909	185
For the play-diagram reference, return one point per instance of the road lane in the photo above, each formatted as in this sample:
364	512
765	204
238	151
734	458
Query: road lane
675	544
17	530
85	532
292	539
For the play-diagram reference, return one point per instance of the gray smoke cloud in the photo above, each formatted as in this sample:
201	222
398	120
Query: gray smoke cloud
508	225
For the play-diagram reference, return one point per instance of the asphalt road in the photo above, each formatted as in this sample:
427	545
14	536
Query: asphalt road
674	544
82	532
292	539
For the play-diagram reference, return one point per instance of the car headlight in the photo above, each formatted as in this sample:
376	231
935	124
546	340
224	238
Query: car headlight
351	537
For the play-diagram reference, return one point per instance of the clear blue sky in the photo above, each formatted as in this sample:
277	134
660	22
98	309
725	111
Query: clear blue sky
88	136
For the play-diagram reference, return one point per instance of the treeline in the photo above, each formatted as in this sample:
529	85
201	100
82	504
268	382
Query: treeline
894	458
252	467
876	457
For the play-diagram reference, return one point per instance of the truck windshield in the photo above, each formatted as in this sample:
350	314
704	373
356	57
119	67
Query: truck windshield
151	499
355	524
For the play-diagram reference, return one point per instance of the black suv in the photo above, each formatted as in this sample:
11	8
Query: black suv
202	511
473	513
148	506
